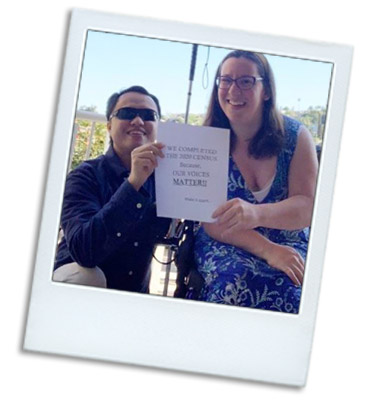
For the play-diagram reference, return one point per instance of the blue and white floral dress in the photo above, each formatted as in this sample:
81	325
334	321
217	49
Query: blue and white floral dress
235	277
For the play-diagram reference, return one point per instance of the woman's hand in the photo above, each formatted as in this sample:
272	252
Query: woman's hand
236	215
144	160
214	230
287	260
283	258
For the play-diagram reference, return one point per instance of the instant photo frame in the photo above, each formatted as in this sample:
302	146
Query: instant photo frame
170	333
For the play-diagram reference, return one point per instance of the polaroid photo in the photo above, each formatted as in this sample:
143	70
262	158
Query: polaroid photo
263	339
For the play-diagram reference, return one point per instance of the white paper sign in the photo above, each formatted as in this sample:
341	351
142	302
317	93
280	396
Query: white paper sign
191	181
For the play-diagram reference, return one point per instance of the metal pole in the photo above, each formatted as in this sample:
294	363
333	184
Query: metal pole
168	253
191	78
174	224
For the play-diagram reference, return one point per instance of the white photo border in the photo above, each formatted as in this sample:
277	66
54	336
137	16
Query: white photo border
171	333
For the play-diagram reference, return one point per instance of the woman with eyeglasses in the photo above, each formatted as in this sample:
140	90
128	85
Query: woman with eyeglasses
253	255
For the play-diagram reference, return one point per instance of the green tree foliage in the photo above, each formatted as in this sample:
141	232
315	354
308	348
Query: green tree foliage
312	118
83	136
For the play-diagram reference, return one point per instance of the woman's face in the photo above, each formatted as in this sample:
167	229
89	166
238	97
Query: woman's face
242	106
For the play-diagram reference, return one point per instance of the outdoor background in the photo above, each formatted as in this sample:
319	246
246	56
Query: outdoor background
34	36
113	62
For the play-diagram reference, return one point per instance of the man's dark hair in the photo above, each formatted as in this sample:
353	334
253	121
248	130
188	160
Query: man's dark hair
113	99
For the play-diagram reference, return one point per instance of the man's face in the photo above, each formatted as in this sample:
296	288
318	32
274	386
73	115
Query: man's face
130	134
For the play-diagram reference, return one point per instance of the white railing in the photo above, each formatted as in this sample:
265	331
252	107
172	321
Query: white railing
92	116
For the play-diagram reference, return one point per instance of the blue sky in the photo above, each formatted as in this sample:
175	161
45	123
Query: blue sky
114	61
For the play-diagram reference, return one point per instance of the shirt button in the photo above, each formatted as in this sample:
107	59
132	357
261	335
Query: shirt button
118	234
139	205
136	244
130	273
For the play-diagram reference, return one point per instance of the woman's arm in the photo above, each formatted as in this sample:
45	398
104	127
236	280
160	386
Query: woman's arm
291	214
296	211
283	258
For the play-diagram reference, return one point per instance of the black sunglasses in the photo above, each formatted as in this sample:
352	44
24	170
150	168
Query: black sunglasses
129	113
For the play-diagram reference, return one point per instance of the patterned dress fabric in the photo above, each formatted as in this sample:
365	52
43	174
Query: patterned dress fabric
235	277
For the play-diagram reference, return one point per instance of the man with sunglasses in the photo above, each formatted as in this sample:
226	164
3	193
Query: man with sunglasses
109	217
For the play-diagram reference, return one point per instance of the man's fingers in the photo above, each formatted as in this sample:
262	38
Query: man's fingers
159	145
155	148
149	154
150	161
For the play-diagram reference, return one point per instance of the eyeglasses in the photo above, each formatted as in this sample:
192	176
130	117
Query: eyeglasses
129	113
244	82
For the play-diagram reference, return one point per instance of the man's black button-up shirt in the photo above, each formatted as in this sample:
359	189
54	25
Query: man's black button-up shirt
107	223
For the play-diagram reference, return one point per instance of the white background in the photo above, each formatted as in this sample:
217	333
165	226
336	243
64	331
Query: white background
33	40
